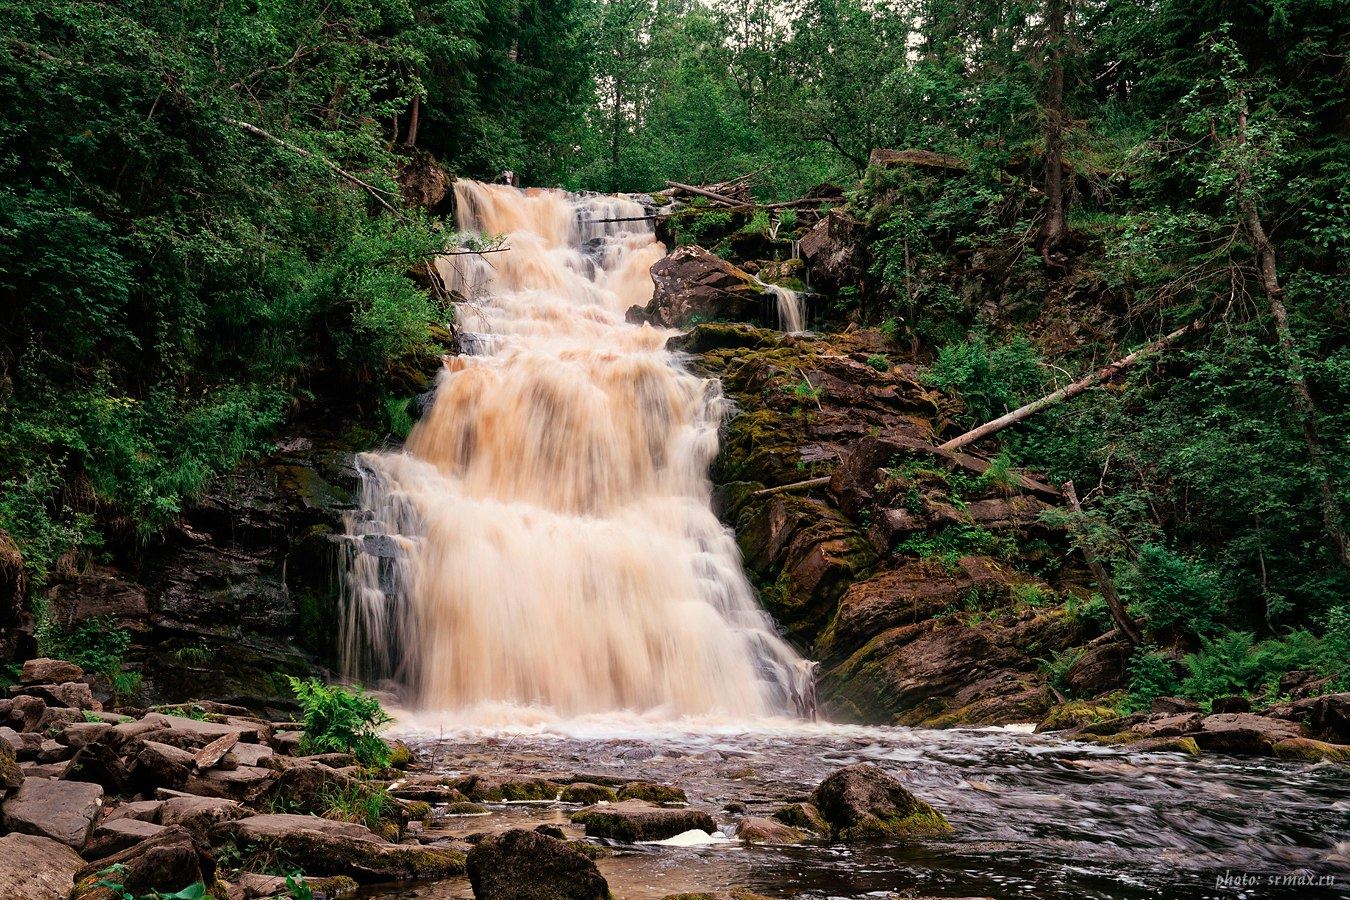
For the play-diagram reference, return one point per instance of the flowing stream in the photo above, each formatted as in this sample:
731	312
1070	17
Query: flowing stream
545	544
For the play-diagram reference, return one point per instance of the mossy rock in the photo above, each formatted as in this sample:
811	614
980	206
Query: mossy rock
465	809
1073	714
863	802
586	793
652	792
592	851
804	816
495	789
1310	750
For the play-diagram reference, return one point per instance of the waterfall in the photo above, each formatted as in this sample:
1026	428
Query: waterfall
546	539
791	308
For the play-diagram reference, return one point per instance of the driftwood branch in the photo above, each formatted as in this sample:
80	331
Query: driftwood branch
369	188
1122	618
794	487
721	198
1065	393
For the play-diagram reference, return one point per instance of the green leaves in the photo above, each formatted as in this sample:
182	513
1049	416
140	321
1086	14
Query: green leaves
341	721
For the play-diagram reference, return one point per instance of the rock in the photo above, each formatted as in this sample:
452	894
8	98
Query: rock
652	792
1099	669
117	834
758	830
803	816
1326	716
1243	733
253	754
215	751
1174	705
36	868
340	848
26	712
256	887
552	831
56	718
142	810
497	788
427	789
99	763
71	695
636	820
586	793
11	737
304	788
199	815
61	810
161	765
693	285
1231	704
77	734
861	801
245	784
834	250
200	733
1311	750
423	182
49	671
526	865
708	336
11	776
1073	714
166	862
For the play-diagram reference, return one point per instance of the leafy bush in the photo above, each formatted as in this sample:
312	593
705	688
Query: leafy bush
879	362
1151	676
95	645
1173	592
341	721
991	381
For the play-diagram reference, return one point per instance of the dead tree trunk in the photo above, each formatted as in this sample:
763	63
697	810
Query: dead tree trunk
1064	393
1118	613
1055	229
414	119
1298	382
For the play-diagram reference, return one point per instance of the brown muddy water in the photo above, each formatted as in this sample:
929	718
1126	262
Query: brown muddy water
1033	816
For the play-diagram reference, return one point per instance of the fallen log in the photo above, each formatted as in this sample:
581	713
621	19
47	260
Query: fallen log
301	151
703	192
794	487
1064	393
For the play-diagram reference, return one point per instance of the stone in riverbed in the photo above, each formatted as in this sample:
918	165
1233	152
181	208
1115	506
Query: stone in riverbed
652	792
587	793
1243	733
527	865
339	848
636	820
758	830
803	816
497	788
861	801
36	868
61	810
1311	751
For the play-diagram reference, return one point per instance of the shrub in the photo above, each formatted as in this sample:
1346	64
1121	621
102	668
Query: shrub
879	362
991	381
95	645
341	721
1151	676
1174	592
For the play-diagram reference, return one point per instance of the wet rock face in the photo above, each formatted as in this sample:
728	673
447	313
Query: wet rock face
527	865
693	285
861	801
834	251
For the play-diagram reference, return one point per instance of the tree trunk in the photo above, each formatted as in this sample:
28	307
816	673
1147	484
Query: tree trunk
1055	229
414	119
1064	393
1298	382
1118	613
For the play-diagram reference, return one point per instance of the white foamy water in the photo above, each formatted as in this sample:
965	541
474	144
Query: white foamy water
544	548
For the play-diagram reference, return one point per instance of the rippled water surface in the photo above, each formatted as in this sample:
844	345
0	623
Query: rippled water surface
1034	816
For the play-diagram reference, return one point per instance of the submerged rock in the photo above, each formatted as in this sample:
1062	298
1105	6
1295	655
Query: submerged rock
758	830
861	801
636	820
527	865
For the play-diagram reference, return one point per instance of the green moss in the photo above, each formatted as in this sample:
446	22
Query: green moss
465	808
924	821
1311	750
588	793
1075	713
652	793
589	850
803	816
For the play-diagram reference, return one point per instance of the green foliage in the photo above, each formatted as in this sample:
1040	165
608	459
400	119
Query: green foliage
1151	676
1172	592
991	381
400	419
195	891
341	721
96	645
879	362
297	888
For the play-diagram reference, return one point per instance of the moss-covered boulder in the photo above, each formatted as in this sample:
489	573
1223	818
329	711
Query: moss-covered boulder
500	788
1073	714
635	820
586	793
803	816
527	865
652	792
1311	750
861	802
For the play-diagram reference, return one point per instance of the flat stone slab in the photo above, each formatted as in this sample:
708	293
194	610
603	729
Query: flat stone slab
61	810
36	868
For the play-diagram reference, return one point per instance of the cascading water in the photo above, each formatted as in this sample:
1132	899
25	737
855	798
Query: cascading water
791	308
545	540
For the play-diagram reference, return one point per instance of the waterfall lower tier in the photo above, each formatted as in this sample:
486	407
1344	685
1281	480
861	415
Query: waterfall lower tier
546	538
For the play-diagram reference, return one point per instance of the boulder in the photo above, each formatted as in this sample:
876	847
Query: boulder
117	834
758	830
11	776
49	671
1173	705
165	862
586	793
161	765
527	865
256	887
1311	750
26	712
36	868
142	810
199	815
652	792
1244	733
252	754
497	788
803	816
245	784
636	820
1234	703
214	752
61	810
101	764
834	250
340	848
861	801
200	733
693	285
77	734
423	182
427	789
